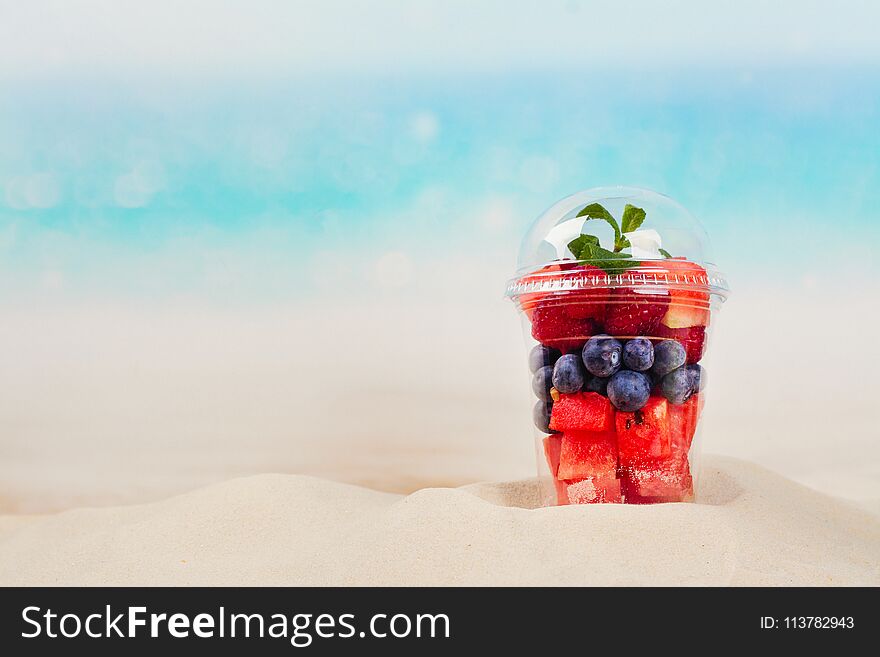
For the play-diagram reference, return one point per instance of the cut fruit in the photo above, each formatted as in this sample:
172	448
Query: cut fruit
693	340
685	315
528	300
561	493
587	302
582	301
644	434
631	314
552	449
683	420
554	327
582	411
688	307
585	454
593	491
579	306
666	480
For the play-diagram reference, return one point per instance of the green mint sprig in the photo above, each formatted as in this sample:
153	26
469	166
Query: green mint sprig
587	247
596	211
632	218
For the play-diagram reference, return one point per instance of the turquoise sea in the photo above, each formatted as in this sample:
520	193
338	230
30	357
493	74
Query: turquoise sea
237	186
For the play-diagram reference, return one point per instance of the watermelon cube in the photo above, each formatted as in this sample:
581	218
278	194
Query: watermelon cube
683	420
644	434
593	490
584	454
664	480
552	449
582	411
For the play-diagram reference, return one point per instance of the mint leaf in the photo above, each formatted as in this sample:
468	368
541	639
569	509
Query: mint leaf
587	247
632	218
599	252
579	246
665	253
612	261
597	211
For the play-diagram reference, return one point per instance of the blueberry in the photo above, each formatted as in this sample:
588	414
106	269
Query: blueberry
597	384
568	374
677	386
629	391
668	355
638	354
542	382
541	416
697	377
541	356
601	355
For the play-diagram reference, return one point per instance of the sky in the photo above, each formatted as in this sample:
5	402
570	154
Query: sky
223	38
253	151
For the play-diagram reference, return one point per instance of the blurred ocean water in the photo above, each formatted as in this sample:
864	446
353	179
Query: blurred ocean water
214	150
99	178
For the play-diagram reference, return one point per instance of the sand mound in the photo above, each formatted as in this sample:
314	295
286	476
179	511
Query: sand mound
754	527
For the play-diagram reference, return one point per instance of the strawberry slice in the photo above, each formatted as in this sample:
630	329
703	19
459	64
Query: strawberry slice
693	339
631	314
553	327
565	319
690	306
529	300
586	302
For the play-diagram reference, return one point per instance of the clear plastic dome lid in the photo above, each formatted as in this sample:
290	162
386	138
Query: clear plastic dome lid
616	236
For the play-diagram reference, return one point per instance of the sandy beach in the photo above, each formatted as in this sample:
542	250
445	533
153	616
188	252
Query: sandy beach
753	528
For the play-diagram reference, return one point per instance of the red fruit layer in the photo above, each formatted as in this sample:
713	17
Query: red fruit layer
647	450
582	411
667	480
631	314
683	420
593	491
552	450
644	434
693	340
528	300
590	299
589	302
585	454
688	307
553	327
552	447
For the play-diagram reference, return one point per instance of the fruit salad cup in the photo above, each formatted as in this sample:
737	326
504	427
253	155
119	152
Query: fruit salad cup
617	293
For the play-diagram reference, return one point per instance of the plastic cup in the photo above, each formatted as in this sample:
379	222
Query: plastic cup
618	294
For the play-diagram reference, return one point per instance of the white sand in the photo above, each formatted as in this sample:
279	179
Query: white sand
753	528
